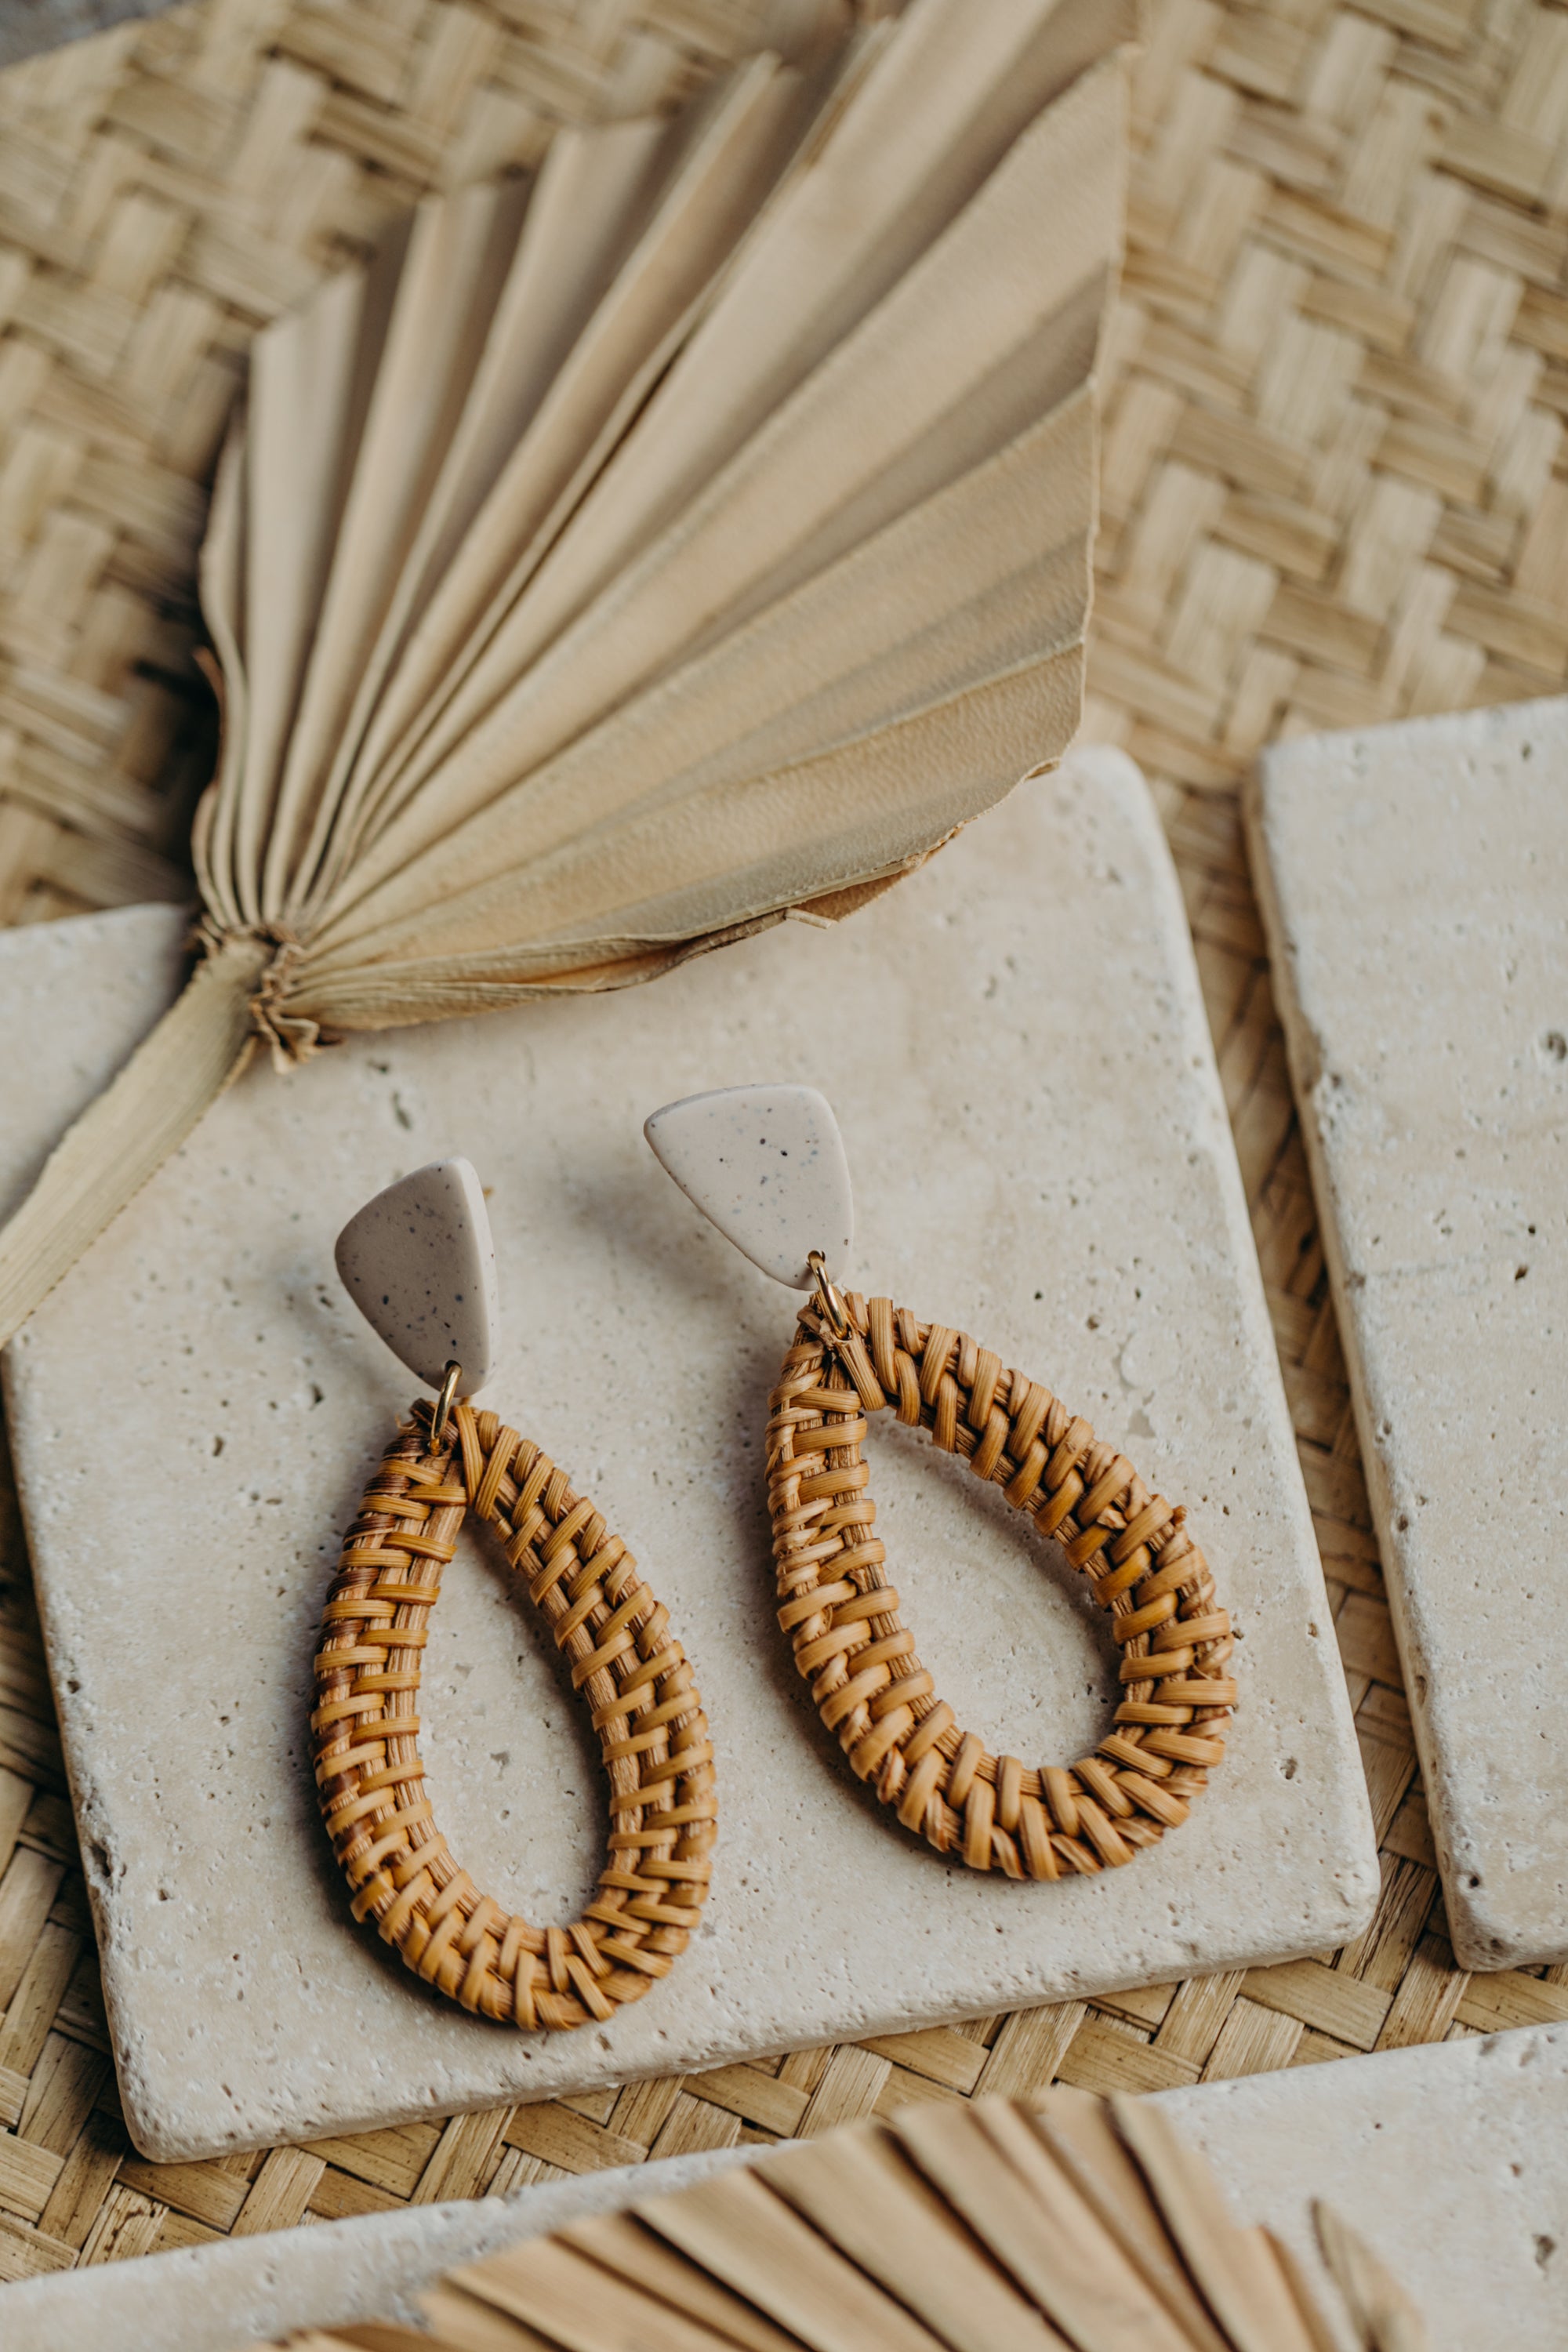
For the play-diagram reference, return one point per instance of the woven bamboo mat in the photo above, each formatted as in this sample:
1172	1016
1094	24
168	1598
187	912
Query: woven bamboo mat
1332	495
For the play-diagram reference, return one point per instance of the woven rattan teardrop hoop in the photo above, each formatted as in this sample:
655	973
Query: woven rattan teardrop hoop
631	1672
854	1650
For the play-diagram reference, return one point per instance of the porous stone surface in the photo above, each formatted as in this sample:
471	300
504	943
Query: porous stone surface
1448	2159
419	1264
1016	1045
1415	885
249	2290
766	1165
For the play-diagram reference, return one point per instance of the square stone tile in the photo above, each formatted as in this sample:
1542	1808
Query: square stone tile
1415	888
1448	2159
1015	1046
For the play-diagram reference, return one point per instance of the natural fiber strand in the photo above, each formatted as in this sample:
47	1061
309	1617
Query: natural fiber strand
633	1677
1387	2318
1080	2133
852	1647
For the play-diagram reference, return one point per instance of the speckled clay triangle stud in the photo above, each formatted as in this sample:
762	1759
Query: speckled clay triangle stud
767	1166
417	1261
419	1264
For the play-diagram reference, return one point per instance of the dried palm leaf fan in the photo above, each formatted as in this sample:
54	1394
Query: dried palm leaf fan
988	2228
622	560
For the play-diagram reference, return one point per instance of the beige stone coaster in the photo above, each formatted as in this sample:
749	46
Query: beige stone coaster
1415	886
1014	1042
228	2297
1451	2160
1448	2159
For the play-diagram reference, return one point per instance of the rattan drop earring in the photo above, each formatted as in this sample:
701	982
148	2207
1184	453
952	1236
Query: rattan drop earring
417	1261
766	1164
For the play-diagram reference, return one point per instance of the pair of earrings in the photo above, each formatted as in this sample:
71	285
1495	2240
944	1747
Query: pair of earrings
766	1165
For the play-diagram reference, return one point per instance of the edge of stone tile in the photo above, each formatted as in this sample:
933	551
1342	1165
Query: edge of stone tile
1481	1945
154	928
1200	2111
212	2298
1350	1920
47	25
25	941
186	2301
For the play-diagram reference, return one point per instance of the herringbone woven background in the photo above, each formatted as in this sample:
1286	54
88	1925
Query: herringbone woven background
1333	493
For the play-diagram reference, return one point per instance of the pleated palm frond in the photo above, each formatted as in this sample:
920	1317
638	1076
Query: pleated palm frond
1072	2226
627	558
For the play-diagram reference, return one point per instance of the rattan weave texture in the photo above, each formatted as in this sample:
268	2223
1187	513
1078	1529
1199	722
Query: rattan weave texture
1334	490
628	1666
854	1650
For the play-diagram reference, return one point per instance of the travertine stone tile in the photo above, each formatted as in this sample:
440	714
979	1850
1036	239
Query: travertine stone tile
1015	1046
1415	886
219	2298
1448	2159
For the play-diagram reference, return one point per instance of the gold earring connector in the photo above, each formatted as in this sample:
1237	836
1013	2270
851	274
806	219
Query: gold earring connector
444	1403
827	1297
